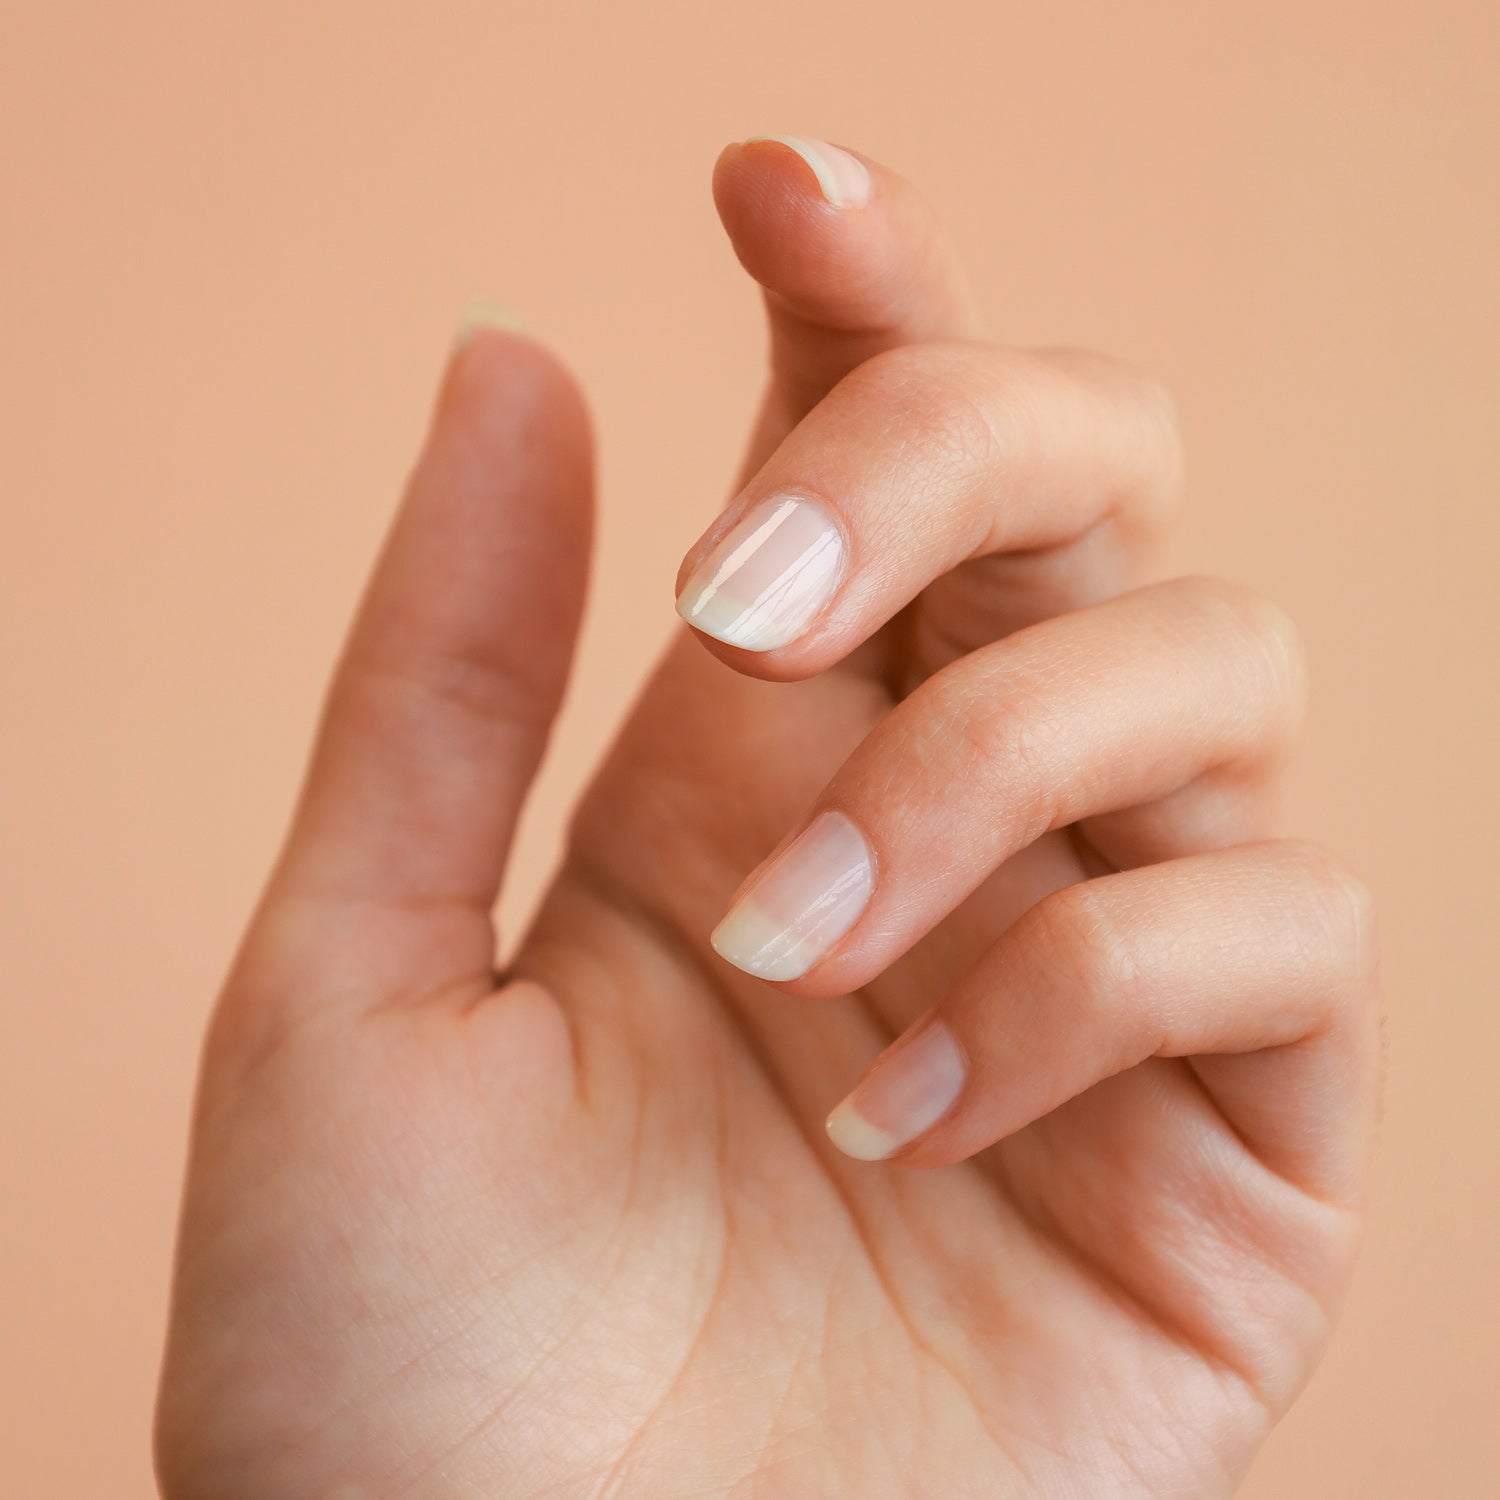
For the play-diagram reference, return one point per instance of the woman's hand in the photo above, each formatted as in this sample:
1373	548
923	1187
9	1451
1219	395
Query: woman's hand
577	1230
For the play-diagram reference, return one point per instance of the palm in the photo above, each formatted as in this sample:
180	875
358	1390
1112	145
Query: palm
986	1295
666	1280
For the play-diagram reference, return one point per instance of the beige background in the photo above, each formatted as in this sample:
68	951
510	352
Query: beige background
234	240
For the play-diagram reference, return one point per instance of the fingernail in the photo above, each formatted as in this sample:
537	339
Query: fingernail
801	904
766	580
908	1090
479	315
843	179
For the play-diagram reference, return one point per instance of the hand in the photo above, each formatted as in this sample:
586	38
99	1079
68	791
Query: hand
576	1230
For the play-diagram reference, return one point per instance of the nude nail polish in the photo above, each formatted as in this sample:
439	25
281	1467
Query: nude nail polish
769	578
908	1090
801	904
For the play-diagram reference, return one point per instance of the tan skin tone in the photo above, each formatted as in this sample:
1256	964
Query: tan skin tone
575	1229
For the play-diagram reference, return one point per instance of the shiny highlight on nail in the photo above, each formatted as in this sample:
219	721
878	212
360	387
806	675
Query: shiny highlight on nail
801	904
769	577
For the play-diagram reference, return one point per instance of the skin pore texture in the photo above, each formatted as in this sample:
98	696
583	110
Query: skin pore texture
944	812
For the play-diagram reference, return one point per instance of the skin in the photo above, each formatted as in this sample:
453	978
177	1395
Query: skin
574	1228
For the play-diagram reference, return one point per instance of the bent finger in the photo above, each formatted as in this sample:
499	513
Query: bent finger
1058	470
1257	962
1122	706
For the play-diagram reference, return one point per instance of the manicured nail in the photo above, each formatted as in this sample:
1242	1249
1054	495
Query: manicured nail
479	315
801	904
843	179
766	580
908	1090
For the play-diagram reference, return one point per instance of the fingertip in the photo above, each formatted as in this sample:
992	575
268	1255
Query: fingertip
503	385
770	576
490	343
848	253
795	662
912	1087
843	180
856	1137
485	315
803	218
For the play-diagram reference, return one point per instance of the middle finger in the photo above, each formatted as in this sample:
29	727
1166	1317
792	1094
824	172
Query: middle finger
1172	704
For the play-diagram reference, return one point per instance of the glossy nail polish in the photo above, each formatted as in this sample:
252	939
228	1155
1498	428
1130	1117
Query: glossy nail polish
843	179
801	904
767	580
908	1090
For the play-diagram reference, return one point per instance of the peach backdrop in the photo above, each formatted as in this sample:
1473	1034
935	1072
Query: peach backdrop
234	242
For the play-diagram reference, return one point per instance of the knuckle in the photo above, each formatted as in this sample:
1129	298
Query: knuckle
1262	635
993	410
1150	453
1082	940
1165	453
1350	904
1343	908
1005	725
942	391
394	688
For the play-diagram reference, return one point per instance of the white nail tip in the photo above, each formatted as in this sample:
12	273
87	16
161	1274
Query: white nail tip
843	178
910	1088
480	316
802	904
752	942
766	581
856	1137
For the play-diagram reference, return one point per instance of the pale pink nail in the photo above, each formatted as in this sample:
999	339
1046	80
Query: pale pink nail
802	903
844	180
908	1090
769	577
